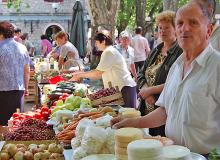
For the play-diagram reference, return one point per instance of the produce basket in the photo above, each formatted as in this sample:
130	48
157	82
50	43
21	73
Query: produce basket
108	96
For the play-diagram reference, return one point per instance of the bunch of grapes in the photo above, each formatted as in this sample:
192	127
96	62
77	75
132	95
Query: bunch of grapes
102	93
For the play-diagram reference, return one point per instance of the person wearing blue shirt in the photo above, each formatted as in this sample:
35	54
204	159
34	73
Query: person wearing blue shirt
14	72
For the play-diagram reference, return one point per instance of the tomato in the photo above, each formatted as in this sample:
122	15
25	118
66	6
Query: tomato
45	115
50	111
15	115
52	107
38	110
37	115
16	122
44	109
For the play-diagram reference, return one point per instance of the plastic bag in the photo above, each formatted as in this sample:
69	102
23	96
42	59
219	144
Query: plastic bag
104	121
80	129
110	140
75	143
93	139
79	153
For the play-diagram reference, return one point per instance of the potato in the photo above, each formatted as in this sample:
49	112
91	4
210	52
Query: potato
28	155
52	147
19	156
56	156
22	149
4	156
11	149
43	147
37	156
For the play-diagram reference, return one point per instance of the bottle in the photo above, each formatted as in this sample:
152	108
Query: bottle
51	63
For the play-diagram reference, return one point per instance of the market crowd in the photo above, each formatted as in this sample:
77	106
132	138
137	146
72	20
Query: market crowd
173	78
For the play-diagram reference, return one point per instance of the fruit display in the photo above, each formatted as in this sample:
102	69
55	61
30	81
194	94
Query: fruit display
31	129
41	114
106	96
64	89
32	152
102	93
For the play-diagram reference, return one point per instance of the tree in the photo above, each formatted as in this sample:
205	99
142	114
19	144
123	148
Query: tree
125	13
170	5
103	13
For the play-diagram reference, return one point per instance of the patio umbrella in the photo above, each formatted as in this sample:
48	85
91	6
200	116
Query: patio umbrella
77	32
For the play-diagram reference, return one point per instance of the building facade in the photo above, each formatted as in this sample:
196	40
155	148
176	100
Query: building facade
37	17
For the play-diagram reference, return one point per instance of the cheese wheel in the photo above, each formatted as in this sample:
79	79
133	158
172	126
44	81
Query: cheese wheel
145	148
120	144
126	135
131	114
174	152
120	151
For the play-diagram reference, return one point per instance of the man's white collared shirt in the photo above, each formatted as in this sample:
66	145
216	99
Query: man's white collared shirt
192	104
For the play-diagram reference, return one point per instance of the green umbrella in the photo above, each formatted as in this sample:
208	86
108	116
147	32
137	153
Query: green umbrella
77	32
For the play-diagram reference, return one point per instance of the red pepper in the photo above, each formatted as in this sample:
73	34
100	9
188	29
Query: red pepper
45	115
15	115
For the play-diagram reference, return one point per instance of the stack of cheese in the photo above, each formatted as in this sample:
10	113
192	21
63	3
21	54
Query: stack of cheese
123	137
145	149
131	114
174	152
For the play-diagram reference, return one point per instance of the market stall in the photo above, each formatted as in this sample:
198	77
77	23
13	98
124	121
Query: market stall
73	122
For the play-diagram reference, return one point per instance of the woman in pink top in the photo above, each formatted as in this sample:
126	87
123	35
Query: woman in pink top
46	46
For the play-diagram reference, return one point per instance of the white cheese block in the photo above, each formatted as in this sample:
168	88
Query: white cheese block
145	148
131	114
100	157
126	135
175	152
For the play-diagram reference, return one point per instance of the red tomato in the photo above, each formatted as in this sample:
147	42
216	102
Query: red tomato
37	115
45	115
38	110
15	115
50	111
52	107
44	109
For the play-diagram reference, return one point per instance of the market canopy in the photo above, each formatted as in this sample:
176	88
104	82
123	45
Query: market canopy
77	32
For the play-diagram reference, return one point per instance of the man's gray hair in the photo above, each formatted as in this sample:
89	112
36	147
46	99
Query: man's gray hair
208	8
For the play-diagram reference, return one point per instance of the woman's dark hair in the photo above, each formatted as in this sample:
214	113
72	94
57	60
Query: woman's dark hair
101	37
43	36
6	29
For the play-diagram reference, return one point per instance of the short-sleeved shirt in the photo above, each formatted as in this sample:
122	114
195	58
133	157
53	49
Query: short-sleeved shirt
192	104
13	58
45	42
141	48
69	51
115	69
128	55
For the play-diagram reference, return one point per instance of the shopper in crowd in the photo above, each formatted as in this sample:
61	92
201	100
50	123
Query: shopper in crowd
14	72
153	75
28	44
17	35
127	52
141	48
190	101
46	46
68	52
112	68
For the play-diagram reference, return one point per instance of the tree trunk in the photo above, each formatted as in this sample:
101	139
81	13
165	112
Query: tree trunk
103	13
170	5
140	14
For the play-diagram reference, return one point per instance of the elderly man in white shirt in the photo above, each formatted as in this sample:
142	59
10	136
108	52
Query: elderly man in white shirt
141	48
190	101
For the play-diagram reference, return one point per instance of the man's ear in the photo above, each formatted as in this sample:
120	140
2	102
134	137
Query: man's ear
209	30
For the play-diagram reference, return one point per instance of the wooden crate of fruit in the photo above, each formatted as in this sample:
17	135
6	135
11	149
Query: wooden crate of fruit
31	150
110	95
